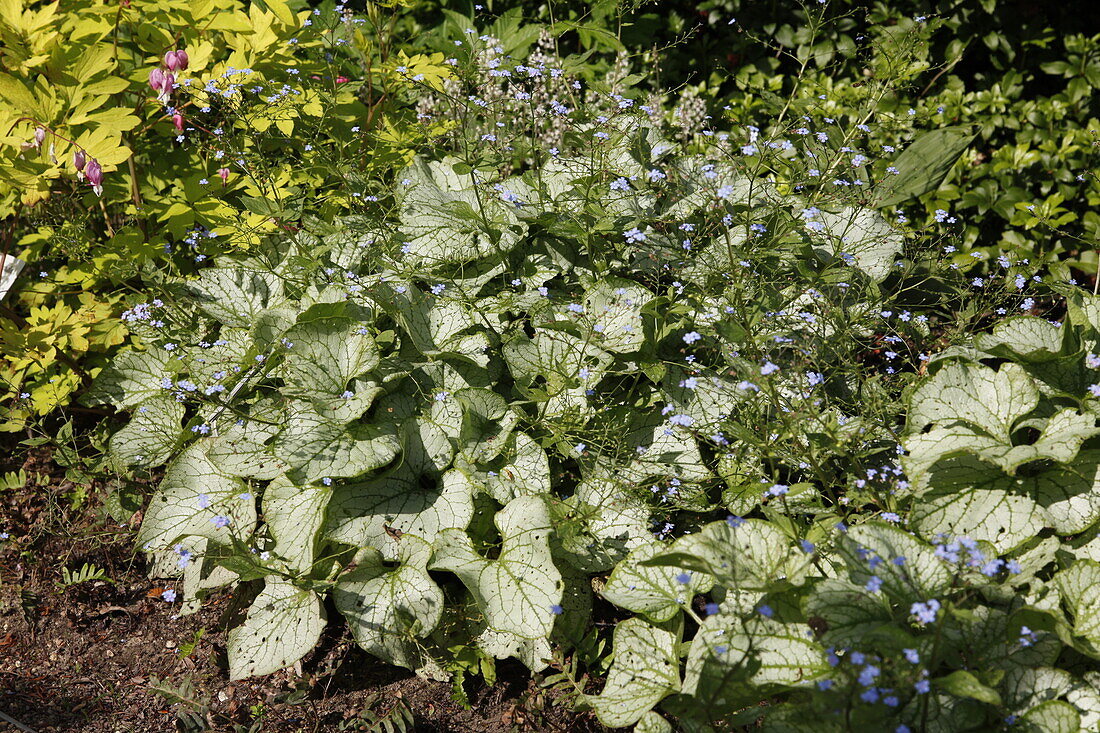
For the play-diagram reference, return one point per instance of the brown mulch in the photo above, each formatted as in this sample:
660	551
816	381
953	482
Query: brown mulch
89	657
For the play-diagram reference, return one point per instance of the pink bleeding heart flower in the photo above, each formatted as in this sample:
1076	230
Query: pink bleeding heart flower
79	161
223	173
39	136
341	80
94	172
176	60
177	120
169	85
156	79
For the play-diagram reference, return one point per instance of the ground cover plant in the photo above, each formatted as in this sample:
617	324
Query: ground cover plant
701	428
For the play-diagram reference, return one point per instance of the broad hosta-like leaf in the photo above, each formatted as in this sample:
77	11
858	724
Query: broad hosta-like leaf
361	511
744	555
236	296
614	313
775	653
131	378
519	590
1052	716
644	670
316	447
283	625
987	399
390	609
923	165
295	516
242	448
918	576
852	616
1079	586
1036	339
152	434
653	591
664	451
524	470
176	509
327	353
1002	518
862	237
610	523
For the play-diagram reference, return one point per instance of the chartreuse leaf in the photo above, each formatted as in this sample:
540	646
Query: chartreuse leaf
653	591
295	516
961	683
390	609
974	394
315	446
1079	586
283	624
361	511
644	670
151	436
923	165
521	589
176	509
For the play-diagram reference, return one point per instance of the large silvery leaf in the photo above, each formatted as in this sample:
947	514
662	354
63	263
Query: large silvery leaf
613	309
708	400
446	226
236	296
152	434
390	609
377	511
295	516
1036	339
555	356
431	322
1022	689
242	448
663	451
315	446
326	354
1079	586
1052	716
653	591
609	524
741	555
919	575
177	508
990	400
486	424
524	470
923	166
851	614
782	654
1069	493
862	237
283	624
374	513
425	446
644	670
131	378
518	591
1003	519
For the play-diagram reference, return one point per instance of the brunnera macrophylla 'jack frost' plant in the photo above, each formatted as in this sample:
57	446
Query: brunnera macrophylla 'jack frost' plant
521	375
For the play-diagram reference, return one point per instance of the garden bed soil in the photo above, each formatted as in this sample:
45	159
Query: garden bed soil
89	657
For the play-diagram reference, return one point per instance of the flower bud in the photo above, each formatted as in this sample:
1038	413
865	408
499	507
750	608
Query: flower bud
223	173
79	161
39	136
156	79
182	60
177	120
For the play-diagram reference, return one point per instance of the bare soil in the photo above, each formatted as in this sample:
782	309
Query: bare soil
91	657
